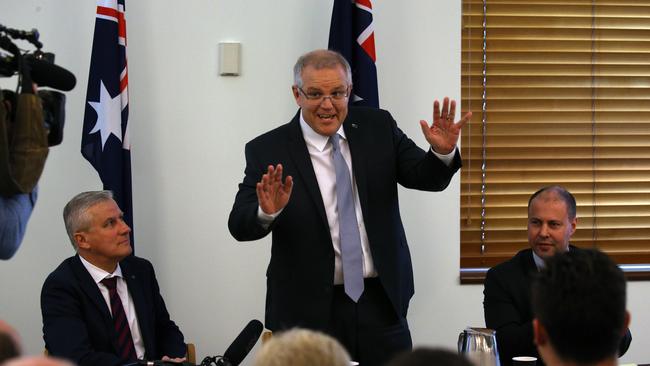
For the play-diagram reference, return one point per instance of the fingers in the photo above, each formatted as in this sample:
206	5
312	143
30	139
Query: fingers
452	111
464	120
288	185
436	111
425	127
444	114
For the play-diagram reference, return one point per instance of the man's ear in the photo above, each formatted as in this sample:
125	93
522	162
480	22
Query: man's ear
296	92
627	321
540	337
81	240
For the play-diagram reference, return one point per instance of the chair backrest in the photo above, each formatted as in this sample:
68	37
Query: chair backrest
191	353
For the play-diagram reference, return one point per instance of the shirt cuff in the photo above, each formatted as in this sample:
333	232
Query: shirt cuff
265	219
447	159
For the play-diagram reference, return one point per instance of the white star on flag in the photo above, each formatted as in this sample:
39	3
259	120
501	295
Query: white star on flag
109	115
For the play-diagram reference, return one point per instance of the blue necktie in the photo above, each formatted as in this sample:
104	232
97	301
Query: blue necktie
351	255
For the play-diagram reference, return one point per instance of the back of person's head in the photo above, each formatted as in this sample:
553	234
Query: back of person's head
579	306
302	347
429	357
9	342
37	361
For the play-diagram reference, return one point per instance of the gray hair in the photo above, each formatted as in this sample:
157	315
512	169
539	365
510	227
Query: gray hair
302	347
320	59
75	213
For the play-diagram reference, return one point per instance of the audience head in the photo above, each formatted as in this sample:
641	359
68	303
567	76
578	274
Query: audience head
37	361
429	357
579	308
9	342
302	347
96	228
551	220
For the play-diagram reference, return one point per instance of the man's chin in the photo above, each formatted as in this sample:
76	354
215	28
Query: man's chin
544	251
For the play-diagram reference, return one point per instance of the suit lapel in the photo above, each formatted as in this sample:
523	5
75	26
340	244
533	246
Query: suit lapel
300	156
358	151
89	286
134	284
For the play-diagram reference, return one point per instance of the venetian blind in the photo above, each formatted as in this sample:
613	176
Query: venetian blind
560	91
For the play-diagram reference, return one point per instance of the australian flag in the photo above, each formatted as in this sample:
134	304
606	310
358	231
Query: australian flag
105	140
352	34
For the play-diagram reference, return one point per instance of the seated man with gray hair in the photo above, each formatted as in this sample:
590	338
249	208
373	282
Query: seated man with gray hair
103	306
579	309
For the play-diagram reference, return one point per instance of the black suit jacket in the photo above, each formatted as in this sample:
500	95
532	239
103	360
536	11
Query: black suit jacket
77	322
301	271
508	308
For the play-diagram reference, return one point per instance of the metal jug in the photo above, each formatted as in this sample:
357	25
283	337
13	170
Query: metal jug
479	345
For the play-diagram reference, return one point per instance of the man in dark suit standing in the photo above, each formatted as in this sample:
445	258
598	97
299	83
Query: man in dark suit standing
325	185
552	221
103	306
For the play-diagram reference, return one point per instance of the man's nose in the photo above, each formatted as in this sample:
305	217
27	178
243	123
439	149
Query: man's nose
125	229
543	231
327	102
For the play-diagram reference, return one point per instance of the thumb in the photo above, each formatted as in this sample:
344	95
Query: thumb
425	127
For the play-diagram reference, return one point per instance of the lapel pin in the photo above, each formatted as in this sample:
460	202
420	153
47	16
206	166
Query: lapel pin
354	125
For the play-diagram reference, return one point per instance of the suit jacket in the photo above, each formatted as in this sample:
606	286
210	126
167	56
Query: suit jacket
301	270
508	308
77	322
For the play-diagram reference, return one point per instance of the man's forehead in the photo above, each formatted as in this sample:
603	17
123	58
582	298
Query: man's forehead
105	209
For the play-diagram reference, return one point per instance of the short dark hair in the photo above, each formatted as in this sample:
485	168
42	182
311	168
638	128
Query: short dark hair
565	195
429	356
579	298
8	347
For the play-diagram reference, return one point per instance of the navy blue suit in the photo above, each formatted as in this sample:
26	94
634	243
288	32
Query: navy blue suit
301	271
77	322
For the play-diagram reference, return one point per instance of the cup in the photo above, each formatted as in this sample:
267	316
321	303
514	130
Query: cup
524	361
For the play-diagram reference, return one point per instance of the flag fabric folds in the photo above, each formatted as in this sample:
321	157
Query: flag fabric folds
352	34
105	139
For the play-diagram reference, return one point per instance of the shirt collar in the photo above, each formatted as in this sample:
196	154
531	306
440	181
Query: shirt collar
99	274
539	261
315	139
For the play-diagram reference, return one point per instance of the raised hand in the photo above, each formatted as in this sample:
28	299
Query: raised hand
272	194
443	134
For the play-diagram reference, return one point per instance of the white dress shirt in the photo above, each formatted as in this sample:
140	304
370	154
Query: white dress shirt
98	275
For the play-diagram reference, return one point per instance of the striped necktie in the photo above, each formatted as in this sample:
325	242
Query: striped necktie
125	347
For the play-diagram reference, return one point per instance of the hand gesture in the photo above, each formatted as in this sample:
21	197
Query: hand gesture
443	134
272	194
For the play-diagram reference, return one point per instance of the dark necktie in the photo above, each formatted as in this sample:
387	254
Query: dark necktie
351	255
126	349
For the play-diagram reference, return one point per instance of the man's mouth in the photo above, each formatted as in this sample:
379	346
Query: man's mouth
326	116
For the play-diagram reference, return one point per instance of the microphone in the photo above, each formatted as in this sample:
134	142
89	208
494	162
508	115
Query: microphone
242	345
48	74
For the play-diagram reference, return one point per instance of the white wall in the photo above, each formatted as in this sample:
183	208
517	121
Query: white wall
189	127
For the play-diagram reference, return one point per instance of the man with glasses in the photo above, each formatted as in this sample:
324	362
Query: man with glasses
325	185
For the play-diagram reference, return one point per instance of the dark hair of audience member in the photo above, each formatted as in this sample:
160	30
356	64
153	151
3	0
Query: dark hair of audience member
429	357
8	347
580	300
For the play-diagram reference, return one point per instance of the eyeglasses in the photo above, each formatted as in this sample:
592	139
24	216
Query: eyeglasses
318	97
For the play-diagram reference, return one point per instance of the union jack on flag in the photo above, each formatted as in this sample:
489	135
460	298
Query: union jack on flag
352	33
105	139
